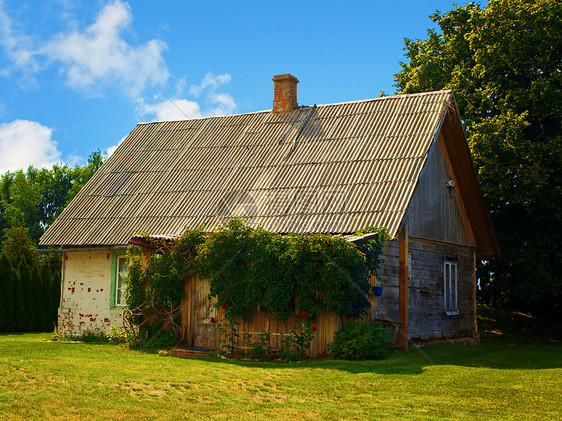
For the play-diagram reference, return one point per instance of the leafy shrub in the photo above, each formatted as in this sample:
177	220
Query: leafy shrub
155	293
154	338
118	336
360	341
89	336
261	347
249	268
296	345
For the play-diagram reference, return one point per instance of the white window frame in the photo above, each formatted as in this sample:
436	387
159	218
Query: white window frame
120	277
450	288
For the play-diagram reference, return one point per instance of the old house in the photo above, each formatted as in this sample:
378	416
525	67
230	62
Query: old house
401	162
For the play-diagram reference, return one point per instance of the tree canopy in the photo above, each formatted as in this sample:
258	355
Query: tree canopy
504	64
32	199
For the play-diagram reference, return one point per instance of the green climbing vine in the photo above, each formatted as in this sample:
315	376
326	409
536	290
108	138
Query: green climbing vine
154	293
249	267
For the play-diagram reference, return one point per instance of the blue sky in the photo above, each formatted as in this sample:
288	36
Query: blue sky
76	76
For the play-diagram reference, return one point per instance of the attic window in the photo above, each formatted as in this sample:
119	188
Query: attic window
118	181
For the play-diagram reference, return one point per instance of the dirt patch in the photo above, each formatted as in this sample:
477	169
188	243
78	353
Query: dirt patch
138	389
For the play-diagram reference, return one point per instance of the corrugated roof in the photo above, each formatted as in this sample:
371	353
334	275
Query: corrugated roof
352	165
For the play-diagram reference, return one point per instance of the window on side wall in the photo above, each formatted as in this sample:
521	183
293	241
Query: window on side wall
121	274
450	288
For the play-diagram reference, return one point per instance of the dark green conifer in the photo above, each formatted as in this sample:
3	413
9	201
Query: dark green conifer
37	312
7	295
47	284
26	286
19	305
55	294
2	302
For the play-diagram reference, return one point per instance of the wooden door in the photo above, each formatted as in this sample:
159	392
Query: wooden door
204	331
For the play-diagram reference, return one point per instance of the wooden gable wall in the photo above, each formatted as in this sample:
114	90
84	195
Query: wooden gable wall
436	212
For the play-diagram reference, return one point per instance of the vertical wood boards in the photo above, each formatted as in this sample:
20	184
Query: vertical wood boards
403	284
186	312
436	212
427	317
426	313
205	335
204	331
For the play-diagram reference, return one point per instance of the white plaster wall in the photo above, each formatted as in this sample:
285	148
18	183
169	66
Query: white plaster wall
85	295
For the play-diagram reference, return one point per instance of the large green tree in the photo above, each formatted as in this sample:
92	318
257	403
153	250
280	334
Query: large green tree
18	246
35	197
504	64
19	309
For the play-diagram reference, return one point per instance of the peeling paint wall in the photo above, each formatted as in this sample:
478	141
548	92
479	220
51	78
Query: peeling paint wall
86	291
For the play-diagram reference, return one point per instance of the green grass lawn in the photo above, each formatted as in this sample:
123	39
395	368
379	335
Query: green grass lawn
503	378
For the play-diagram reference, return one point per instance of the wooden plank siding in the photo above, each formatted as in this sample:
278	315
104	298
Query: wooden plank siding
429	319
426	312
197	310
403	287
434	213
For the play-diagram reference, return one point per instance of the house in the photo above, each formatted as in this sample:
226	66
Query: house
400	162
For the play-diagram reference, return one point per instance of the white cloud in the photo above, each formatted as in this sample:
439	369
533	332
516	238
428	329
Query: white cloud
224	104
210	80
94	58
179	109
24	143
180	86
99	54
182	109
73	159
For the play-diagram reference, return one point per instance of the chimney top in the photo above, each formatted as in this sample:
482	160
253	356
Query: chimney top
285	93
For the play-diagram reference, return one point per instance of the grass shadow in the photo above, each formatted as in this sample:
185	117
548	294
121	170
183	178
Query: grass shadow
395	364
509	340
493	352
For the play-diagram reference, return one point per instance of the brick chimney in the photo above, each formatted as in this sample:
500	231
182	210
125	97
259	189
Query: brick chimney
285	93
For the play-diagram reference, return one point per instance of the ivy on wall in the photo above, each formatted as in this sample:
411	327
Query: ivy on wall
155	290
249	267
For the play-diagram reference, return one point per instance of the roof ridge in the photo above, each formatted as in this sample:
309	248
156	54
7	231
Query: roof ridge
358	101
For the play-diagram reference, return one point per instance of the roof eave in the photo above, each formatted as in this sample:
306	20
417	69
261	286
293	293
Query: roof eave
459	152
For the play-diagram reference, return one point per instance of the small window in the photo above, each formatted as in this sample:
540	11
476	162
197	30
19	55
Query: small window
450	288
121	275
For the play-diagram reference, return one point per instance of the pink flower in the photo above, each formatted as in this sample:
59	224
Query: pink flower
313	328
213	320
224	306
305	314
